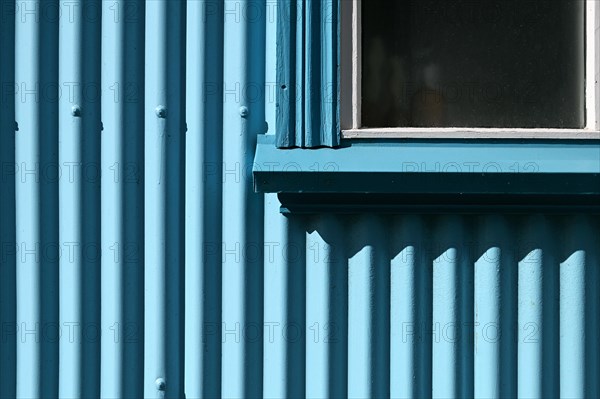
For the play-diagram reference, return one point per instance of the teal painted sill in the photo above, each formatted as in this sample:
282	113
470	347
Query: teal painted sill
519	169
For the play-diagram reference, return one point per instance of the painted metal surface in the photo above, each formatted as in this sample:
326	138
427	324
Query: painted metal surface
203	287
308	74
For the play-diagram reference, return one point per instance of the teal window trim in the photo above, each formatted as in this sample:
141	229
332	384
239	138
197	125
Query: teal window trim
307	155
308	74
490	167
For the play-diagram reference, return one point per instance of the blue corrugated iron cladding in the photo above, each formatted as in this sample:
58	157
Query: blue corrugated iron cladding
137	261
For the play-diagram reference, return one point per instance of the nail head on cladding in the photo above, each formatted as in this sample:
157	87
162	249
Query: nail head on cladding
161	111
161	384
244	111
76	110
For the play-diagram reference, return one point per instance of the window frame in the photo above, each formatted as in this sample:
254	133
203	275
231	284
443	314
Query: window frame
350	90
390	172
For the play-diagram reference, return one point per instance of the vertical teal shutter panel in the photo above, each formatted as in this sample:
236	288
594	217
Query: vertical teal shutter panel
307	73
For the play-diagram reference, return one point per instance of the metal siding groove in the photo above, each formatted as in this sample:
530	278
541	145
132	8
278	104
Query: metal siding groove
7	203
537	318
242	239
326	309
204	285
368	309
284	305
494	309
204	158
410	308
122	163
164	198
452	364
36	193
579	308
79	189
307	74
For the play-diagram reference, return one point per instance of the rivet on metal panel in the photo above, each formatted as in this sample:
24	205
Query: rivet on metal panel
161	111
244	111
76	110
161	384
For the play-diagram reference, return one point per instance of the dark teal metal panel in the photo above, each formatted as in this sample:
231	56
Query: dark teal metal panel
434	167
307	74
7	201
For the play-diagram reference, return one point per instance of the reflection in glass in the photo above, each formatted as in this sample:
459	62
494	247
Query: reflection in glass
473	63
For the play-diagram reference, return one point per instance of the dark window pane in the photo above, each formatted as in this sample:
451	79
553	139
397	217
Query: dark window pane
473	63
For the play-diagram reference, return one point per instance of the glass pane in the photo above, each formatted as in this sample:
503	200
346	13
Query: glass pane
466	63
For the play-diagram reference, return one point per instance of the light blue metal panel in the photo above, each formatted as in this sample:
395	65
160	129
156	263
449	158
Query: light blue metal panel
578	309
274	305
410	308
537	318
452	324
495	309
79	191
326	308
242	242
284	304
277	270
204	145
164	198
36	180
122	149
368	309
572	326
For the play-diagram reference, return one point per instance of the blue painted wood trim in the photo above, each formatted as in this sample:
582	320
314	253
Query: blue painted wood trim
432	167
307	74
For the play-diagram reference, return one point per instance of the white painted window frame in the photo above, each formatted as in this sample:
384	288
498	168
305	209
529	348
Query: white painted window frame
350	90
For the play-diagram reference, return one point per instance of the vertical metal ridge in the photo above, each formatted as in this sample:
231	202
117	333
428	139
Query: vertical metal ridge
495	272
7	202
122	148
204	289
326	308
368	309
578	279
79	192
452	352
538	326
164	198
410	308
297	74
36	156
243	222
271	104
285	305
307	73
204	149
591	246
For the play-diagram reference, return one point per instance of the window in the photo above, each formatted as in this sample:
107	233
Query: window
353	76
469	69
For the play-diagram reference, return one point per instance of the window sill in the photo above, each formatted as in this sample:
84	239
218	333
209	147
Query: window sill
519	168
471	133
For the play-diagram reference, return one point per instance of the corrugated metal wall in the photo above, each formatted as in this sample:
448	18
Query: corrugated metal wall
138	261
